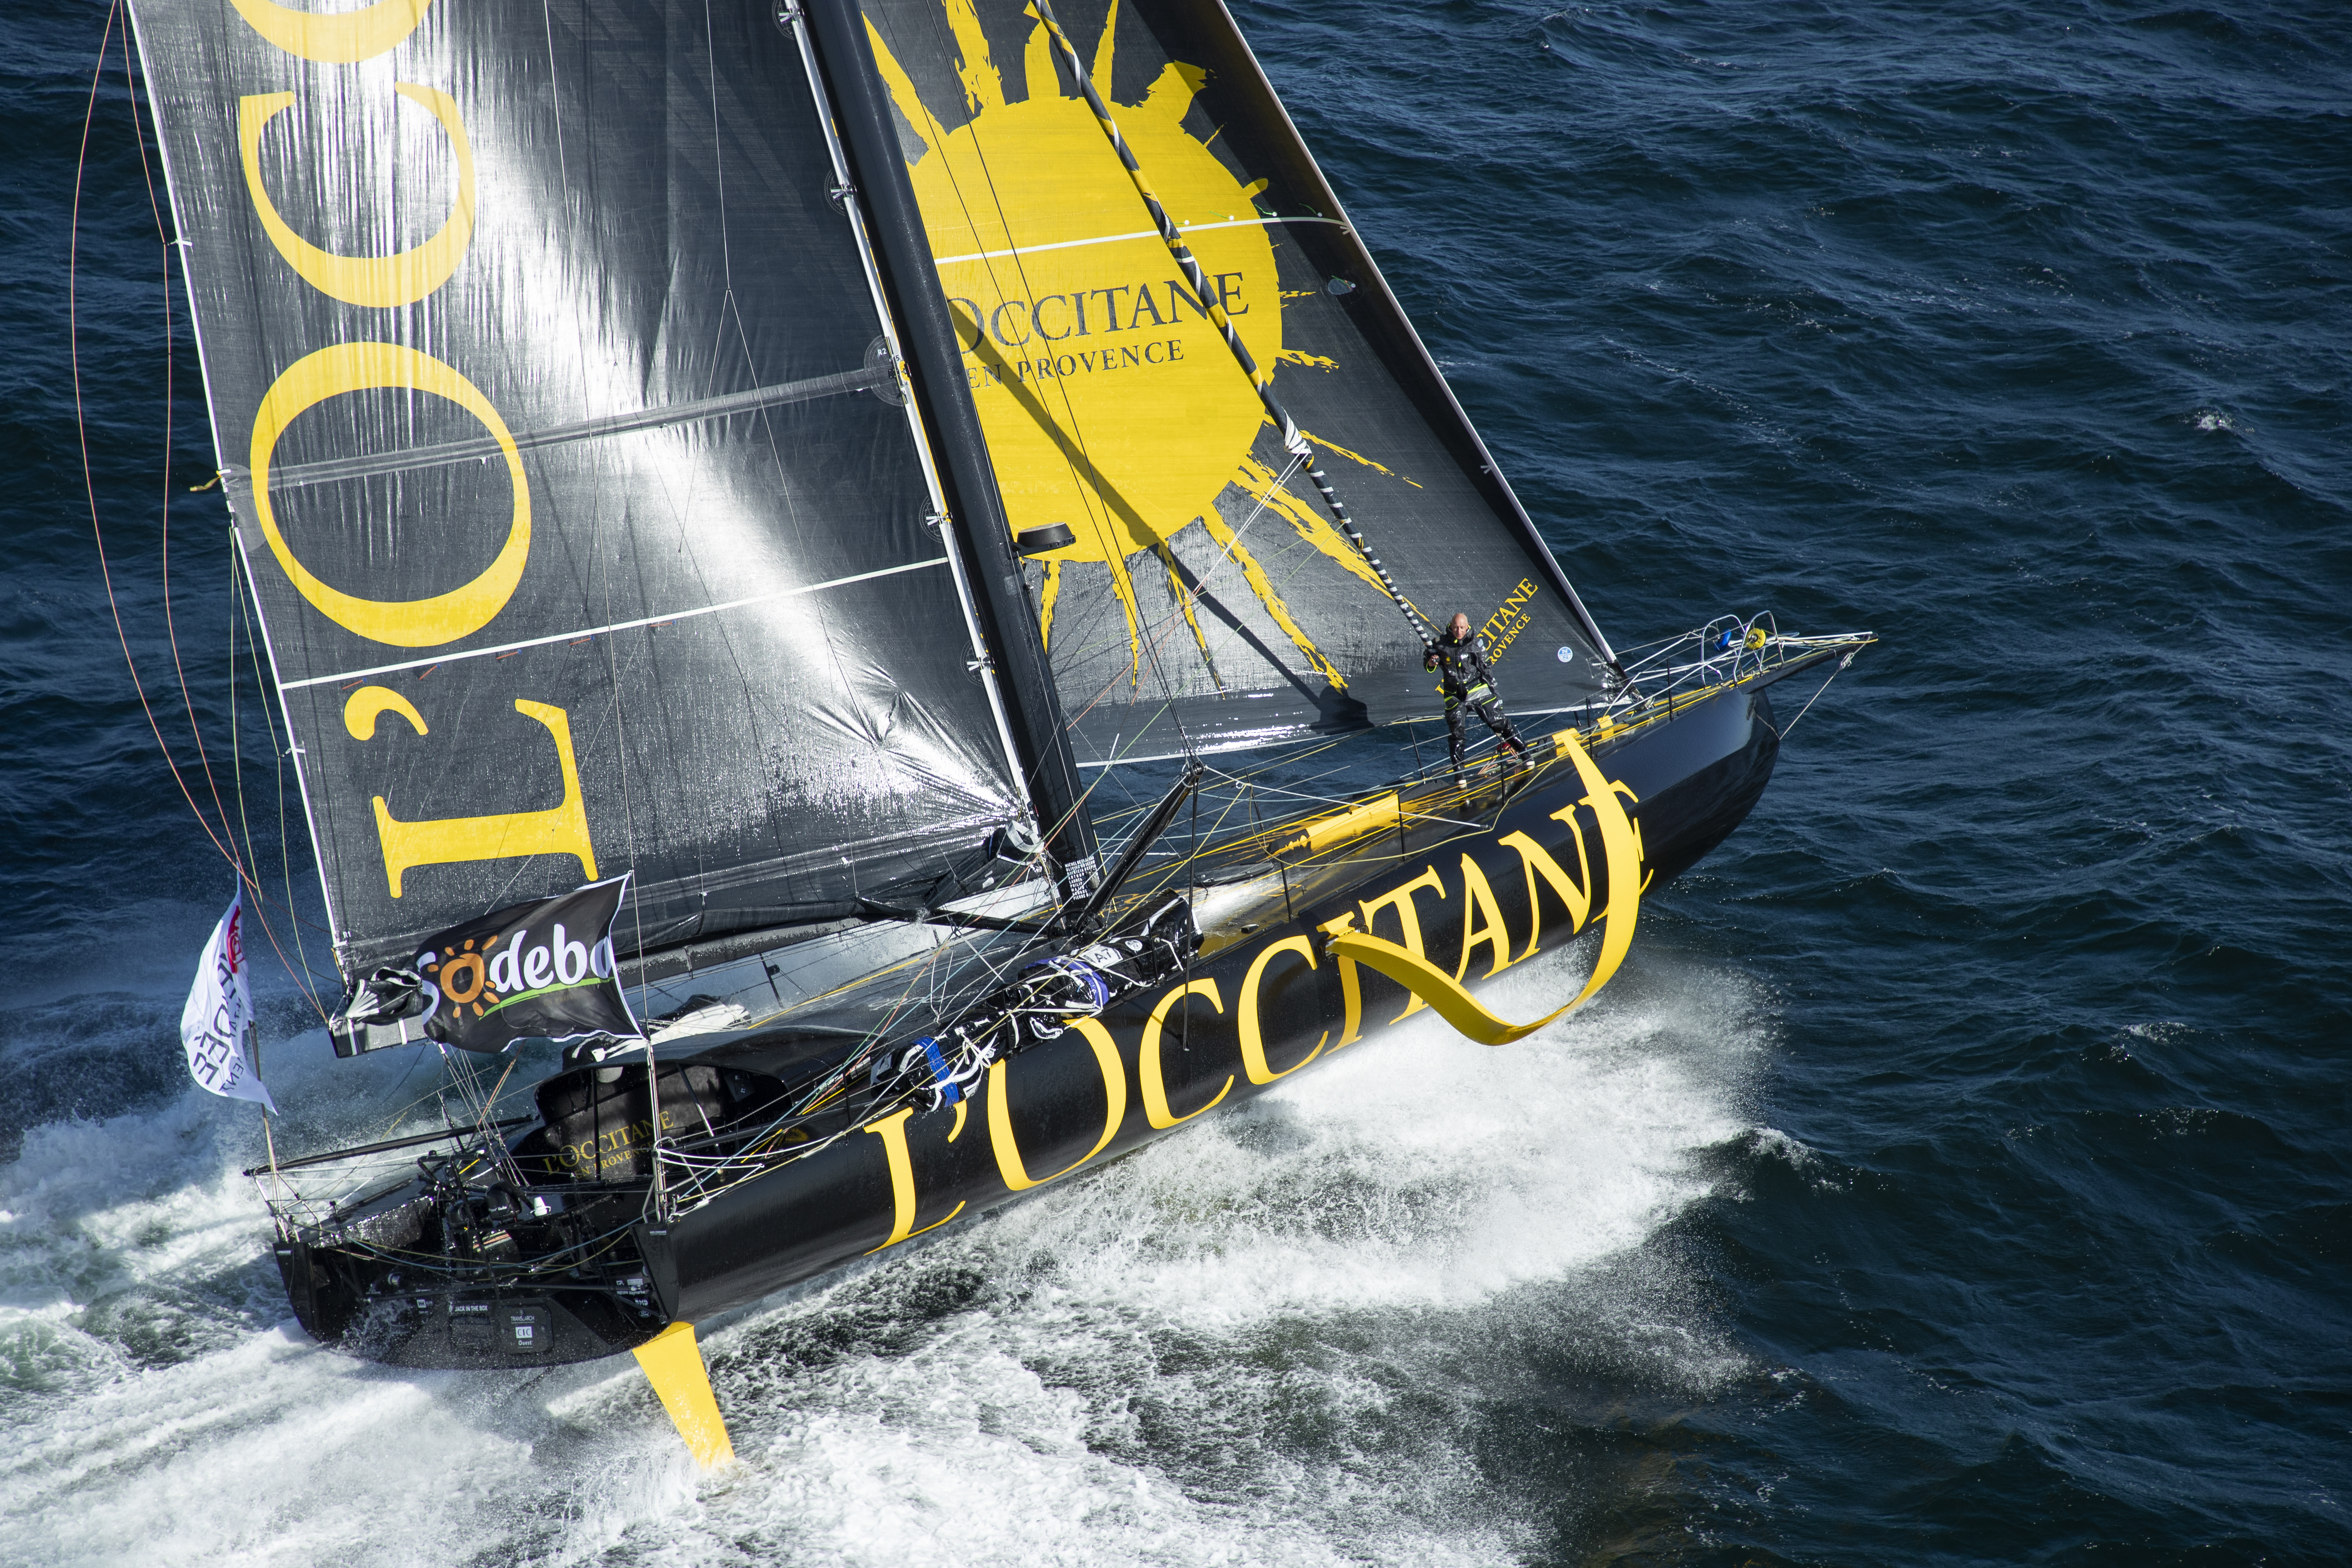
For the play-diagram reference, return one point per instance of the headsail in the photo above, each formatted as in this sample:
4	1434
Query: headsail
571	466
1207	599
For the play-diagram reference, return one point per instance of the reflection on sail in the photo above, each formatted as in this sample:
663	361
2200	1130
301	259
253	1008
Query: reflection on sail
630	417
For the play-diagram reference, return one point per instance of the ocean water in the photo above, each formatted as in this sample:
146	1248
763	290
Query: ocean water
1957	1174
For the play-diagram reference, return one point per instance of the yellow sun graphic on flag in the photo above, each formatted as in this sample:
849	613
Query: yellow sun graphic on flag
1108	398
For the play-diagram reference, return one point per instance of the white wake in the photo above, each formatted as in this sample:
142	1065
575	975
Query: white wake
1278	1337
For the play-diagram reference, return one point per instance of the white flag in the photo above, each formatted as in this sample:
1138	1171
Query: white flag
220	1010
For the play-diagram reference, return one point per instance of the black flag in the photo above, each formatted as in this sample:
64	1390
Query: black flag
530	971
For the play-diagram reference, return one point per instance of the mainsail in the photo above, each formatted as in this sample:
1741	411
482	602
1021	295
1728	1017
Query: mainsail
572	471
1206	599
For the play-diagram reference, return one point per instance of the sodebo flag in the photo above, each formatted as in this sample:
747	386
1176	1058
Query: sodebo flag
542	970
214	1024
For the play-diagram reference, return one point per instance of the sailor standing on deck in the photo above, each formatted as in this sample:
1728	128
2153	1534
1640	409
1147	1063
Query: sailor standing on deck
1460	658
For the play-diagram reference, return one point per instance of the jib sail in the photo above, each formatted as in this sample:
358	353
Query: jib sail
1206	597
569	468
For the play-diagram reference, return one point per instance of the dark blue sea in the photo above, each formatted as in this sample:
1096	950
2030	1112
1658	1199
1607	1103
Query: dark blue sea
1959	1173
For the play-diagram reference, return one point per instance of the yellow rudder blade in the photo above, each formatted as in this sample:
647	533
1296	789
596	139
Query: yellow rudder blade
673	1365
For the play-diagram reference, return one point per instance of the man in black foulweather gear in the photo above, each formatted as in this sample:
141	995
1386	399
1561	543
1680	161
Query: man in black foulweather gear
1460	658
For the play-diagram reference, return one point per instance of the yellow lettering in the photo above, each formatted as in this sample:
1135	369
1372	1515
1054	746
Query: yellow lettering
892	1131
381	282
1461	1009
1401	901
1478	904
1534	860
560	830
1154	1081
1351	985
359	367
336	39
1253	1060
1000	1115
1620	787
369	703
1620	845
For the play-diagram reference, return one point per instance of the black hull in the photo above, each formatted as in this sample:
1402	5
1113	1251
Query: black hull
1264	999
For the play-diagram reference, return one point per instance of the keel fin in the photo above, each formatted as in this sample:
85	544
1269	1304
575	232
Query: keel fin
673	1365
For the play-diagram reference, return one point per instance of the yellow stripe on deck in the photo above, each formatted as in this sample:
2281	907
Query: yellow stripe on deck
1321	834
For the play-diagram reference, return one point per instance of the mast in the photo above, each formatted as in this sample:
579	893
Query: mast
983	535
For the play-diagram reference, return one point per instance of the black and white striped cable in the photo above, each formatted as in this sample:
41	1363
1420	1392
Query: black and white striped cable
1293	440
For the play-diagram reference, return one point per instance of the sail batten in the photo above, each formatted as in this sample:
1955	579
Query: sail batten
865	379
581	634
1138	234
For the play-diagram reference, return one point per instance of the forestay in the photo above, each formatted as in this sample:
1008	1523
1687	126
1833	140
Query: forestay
1208	601
569	465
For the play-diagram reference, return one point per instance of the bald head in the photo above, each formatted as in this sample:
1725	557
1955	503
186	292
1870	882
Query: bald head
1460	626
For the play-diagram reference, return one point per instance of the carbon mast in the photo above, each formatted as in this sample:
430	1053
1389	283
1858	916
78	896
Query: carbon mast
842	73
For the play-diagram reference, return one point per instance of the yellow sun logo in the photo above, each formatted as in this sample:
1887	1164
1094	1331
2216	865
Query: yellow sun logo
464	977
1107	396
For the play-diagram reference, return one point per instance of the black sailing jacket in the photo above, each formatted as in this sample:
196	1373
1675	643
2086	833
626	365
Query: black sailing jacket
1463	668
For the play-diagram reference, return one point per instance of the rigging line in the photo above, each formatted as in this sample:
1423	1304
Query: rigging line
718	184
628	811
1263	381
1816	697
300	972
555	91
1189	864
1005	221
164	239
732	308
1224	555
235	742
90	481
1234	543
81	430
260	905
1311	798
1139	233
1165	626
